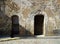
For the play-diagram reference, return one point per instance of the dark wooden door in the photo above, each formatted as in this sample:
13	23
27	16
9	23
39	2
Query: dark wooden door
38	24
15	26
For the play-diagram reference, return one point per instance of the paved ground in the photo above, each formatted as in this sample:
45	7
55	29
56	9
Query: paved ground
40	40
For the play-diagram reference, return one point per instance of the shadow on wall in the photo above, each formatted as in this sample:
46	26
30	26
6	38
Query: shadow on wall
17	29
24	32
6	28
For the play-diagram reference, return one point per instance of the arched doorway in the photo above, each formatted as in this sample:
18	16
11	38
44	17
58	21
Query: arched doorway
15	25
38	24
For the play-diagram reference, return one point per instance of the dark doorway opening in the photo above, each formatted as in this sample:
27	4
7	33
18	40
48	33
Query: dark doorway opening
38	24
15	26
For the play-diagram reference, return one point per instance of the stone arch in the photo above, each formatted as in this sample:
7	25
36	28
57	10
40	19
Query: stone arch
31	17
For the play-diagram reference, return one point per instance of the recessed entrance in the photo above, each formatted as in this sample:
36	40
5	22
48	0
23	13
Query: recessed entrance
38	24
15	26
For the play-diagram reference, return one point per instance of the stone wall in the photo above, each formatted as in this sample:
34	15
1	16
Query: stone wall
27	9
